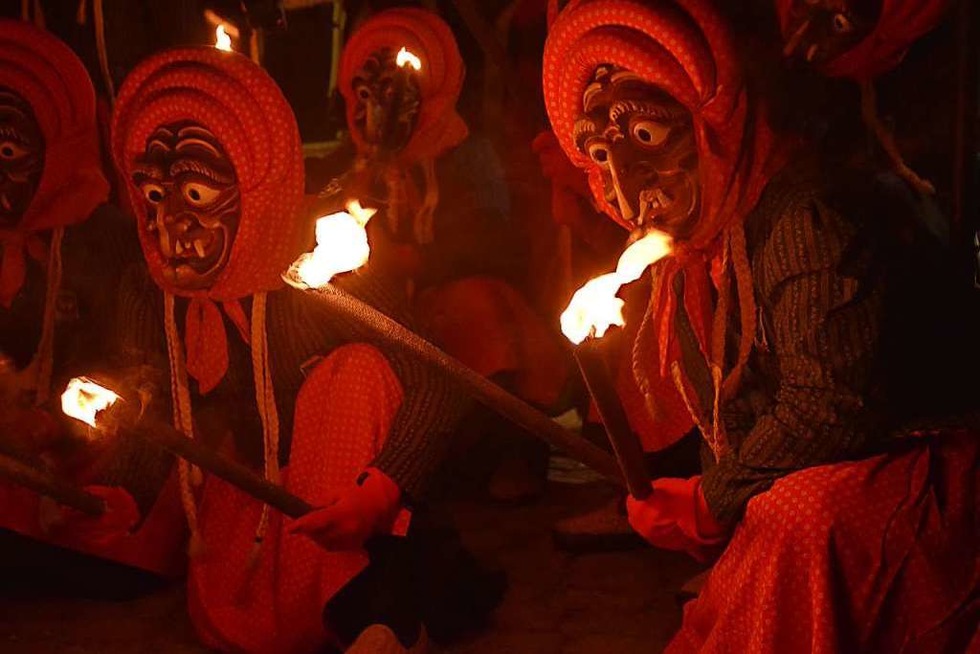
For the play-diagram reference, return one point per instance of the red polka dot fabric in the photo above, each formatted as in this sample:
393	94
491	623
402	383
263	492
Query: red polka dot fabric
53	81
343	414
879	555
236	100
900	24
426	35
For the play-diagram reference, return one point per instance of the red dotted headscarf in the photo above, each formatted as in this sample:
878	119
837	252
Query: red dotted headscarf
54	82
427	36
684	48
900	24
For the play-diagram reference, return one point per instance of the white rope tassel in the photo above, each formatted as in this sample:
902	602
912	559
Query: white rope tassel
39	15
44	357
184	422
268	412
103	49
425	218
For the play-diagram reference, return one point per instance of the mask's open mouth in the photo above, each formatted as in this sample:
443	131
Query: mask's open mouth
192	255
669	206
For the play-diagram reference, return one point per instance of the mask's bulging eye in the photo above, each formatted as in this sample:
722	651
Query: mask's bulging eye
363	93
199	195
842	24
599	153
153	193
650	132
10	151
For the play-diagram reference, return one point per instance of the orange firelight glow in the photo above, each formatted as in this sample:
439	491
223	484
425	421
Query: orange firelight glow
406	58
595	307
341	246
83	399
222	41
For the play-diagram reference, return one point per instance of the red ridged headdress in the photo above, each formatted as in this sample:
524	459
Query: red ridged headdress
47	74
427	36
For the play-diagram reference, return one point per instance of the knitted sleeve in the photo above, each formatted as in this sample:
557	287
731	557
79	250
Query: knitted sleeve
820	311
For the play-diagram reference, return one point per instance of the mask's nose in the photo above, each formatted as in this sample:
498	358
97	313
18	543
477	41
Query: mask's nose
797	38
618	172
375	119
171	222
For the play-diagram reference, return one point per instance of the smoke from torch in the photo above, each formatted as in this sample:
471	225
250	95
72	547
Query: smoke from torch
595	307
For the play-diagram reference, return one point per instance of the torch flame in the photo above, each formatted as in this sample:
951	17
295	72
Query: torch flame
594	307
83	399
341	246
406	58
221	39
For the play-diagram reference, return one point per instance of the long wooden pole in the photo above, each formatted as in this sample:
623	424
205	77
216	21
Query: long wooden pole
629	453
197	453
45	484
483	390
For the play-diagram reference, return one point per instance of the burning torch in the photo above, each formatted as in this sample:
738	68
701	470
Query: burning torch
108	412
592	311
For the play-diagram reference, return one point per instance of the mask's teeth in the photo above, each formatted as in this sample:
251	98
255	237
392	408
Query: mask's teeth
199	248
180	247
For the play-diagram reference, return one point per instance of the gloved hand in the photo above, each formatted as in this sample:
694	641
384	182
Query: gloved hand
355	515
121	515
675	516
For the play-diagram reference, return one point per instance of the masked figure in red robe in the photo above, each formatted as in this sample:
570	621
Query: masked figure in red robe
838	532
401	75
64	250
211	157
860	40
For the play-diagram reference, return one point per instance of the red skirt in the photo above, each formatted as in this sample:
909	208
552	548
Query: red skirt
270	598
879	555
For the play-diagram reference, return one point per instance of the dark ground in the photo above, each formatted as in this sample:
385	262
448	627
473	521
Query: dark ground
556	603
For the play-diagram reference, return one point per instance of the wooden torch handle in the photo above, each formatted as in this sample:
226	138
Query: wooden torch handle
625	444
50	486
